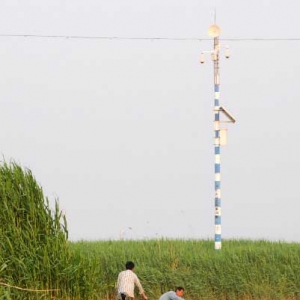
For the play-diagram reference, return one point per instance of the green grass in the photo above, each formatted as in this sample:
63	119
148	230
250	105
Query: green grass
243	269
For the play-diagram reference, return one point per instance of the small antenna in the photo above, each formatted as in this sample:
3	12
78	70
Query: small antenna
214	30
215	16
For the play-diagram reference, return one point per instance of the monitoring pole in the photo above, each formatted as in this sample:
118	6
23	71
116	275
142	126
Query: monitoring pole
219	134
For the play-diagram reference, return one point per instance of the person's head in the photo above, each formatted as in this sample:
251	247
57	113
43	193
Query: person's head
129	265
179	291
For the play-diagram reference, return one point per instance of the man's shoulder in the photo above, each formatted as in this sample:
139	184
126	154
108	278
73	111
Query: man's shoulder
122	274
166	295
170	293
127	272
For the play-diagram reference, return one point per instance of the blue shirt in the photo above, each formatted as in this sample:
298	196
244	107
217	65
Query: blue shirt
170	296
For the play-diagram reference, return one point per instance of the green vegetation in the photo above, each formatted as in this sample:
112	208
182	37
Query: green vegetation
243	269
33	239
38	262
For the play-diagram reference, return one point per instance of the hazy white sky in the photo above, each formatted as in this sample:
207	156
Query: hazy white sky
121	131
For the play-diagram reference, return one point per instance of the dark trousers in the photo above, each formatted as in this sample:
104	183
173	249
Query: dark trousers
122	296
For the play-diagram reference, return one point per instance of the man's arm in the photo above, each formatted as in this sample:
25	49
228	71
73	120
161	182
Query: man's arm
144	295
118	282
138	284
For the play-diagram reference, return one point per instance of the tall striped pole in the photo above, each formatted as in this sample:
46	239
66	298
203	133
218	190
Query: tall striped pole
217	146
214	31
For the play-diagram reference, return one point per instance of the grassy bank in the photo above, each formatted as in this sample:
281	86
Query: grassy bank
243	269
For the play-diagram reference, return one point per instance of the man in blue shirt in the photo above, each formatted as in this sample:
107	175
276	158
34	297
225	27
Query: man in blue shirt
177	295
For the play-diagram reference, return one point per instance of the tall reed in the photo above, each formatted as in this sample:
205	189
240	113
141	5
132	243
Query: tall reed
33	238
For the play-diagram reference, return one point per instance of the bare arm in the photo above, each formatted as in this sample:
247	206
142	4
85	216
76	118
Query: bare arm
142	292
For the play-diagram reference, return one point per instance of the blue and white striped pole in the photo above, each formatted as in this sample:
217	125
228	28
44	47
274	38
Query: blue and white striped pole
214	31
217	146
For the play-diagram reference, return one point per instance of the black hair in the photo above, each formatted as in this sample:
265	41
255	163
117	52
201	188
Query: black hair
129	265
179	288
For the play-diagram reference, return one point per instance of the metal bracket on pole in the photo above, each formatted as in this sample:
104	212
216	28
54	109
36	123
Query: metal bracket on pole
226	113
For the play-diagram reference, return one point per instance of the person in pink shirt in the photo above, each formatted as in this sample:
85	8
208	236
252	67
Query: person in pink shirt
127	280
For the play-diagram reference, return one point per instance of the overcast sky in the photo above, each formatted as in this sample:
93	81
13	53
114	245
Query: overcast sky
120	131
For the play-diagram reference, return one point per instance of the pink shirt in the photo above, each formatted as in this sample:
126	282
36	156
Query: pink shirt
126	281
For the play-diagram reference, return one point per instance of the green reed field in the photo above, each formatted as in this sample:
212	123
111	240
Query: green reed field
241	270
37	261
